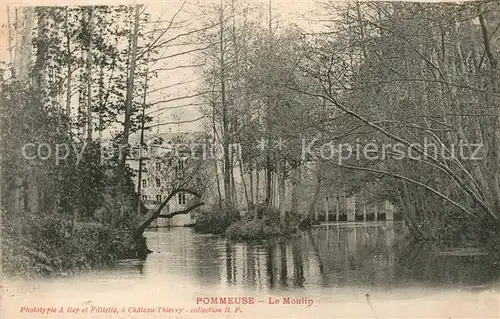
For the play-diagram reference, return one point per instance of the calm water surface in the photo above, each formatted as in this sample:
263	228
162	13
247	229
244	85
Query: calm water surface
335	266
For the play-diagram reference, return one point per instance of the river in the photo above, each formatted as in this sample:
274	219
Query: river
340	270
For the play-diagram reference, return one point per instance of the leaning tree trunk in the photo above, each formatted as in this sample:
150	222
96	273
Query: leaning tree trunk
153	215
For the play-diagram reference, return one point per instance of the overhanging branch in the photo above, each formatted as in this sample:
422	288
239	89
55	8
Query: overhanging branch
182	212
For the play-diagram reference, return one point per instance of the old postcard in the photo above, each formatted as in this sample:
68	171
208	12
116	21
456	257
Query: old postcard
250	159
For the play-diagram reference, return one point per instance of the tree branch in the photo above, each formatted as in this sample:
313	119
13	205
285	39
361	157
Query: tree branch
176	122
156	213
182	212
179	98
451	201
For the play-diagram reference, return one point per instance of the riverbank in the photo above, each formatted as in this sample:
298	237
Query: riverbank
54	246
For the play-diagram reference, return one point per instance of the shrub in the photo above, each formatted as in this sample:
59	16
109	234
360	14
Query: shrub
47	245
123	245
259	223
214	220
263	223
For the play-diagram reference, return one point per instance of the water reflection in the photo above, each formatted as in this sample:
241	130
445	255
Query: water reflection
338	255
335	265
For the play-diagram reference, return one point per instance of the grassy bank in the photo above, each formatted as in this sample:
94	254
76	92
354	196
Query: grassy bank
53	246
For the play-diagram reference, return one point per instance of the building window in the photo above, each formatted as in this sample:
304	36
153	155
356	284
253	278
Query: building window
158	182
158	166
127	165
158	198
143	183
144	197
179	168
182	199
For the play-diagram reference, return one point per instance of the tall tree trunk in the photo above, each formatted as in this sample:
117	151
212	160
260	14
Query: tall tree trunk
250	181
24	23
257	184
217	180
282	195
327	210
38	74
269	180
242	176
225	115
130	86
10	42
89	72
141	142
274	189
1	183
337	208
69	73
102	106
313	208
494	129
234	189
215	160
269	168
1	157
38	83
295	189
81	99
295	199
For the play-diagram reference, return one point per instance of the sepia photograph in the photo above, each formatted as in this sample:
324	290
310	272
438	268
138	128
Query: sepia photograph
249	159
